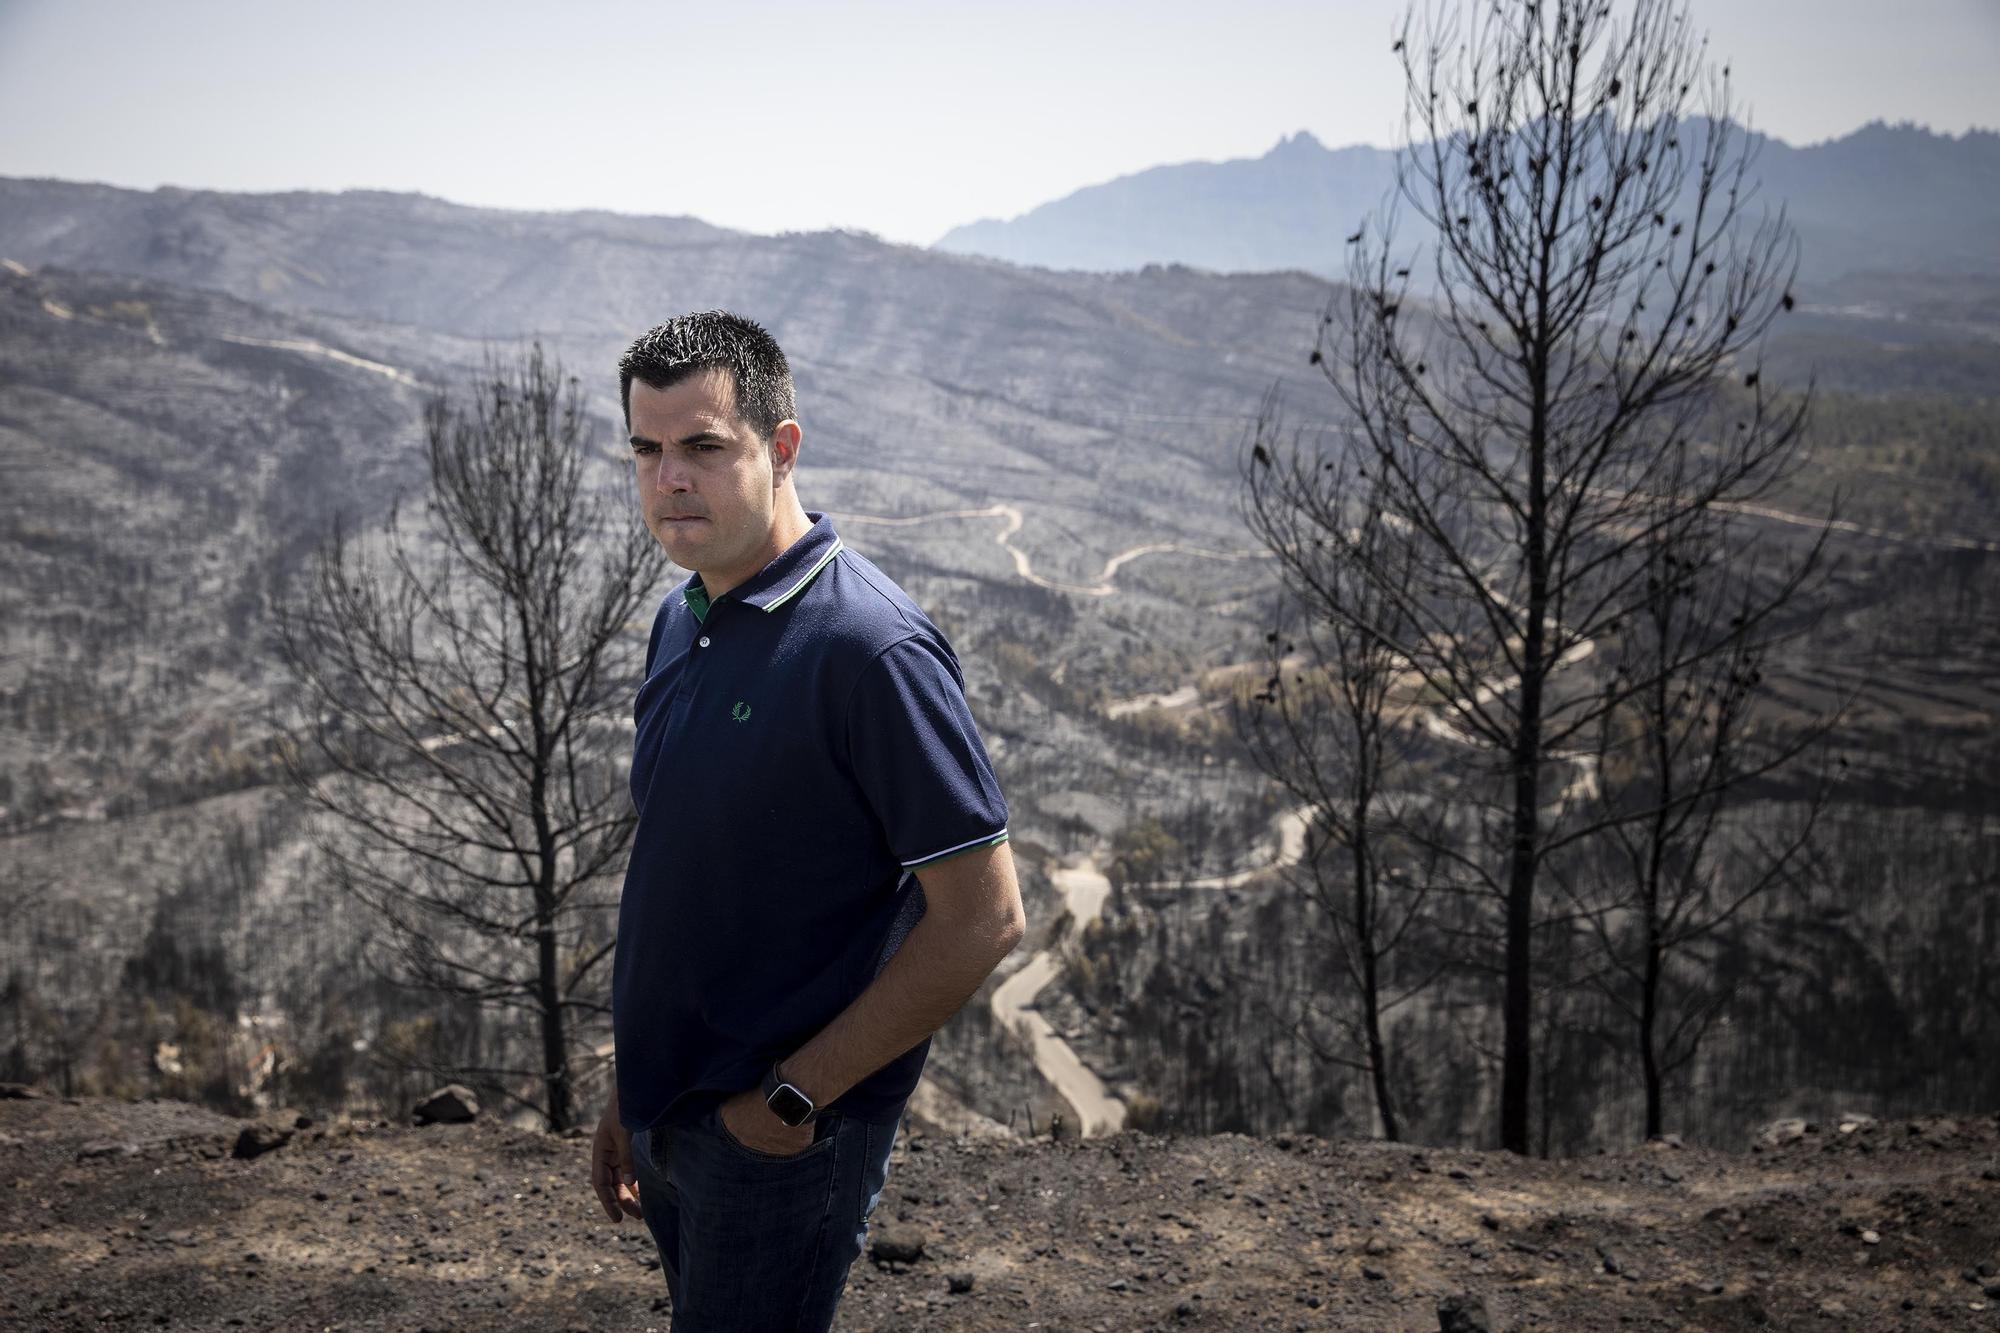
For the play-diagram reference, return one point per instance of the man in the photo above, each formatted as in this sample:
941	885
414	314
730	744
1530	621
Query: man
820	875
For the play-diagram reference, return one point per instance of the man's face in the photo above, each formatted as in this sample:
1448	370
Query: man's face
708	483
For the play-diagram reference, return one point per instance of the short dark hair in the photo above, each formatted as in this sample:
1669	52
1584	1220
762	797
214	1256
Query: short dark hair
714	340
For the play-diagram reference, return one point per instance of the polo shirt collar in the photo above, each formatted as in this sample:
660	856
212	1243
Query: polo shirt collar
784	578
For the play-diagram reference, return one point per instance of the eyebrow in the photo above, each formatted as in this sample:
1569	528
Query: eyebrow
699	437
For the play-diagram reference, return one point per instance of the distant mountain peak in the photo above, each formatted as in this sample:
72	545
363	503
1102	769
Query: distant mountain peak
1888	197
1899	129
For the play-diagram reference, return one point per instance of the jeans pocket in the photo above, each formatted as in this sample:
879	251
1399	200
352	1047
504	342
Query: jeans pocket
824	1127
655	1150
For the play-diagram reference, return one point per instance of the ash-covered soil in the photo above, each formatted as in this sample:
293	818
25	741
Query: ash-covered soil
138	1214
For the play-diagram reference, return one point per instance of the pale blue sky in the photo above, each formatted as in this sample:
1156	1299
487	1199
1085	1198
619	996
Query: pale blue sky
900	118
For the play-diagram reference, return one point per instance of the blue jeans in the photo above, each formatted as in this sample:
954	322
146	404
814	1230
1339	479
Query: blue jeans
754	1242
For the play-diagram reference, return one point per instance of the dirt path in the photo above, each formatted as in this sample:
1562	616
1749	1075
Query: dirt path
1939	542
1582	785
1098	1112
1291	829
1011	521
1085	889
311	348
1139	703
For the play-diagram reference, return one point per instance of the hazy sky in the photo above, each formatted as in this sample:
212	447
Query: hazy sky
901	118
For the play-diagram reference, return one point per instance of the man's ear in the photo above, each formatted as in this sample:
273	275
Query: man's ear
784	450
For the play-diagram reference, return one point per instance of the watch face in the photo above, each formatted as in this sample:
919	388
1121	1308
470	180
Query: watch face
790	1105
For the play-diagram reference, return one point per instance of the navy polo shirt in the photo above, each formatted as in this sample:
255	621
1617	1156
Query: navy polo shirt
803	746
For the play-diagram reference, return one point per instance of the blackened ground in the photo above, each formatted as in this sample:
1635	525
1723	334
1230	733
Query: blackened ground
137	1215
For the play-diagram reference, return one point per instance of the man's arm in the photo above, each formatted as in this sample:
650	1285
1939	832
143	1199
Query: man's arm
972	919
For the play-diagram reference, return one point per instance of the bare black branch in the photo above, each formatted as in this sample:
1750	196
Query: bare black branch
462	684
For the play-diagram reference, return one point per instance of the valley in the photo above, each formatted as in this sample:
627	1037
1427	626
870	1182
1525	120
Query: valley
1048	462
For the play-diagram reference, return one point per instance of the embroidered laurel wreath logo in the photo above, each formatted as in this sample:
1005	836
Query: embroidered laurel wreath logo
741	712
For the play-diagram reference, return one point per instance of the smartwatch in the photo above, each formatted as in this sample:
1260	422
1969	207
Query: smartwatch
786	1101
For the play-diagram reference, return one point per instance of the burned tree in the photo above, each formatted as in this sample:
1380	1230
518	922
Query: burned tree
1326	728
1580	384
462	682
1677	872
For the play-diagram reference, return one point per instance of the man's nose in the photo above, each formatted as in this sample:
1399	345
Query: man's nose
672	477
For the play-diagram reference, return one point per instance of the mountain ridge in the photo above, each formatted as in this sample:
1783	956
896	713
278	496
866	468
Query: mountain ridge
1893	197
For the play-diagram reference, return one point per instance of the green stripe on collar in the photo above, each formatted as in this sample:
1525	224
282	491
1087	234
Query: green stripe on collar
805	578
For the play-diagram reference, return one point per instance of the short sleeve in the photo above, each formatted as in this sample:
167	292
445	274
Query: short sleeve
917	754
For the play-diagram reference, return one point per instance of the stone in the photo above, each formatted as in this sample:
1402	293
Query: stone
959	1283
259	1137
449	1105
107	1148
897	1243
1463	1314
1780	1132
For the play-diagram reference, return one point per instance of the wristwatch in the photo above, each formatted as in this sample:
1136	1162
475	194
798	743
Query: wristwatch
786	1101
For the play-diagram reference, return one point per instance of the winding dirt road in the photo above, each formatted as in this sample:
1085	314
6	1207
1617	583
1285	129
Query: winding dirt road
1084	890
1011	521
1083	885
